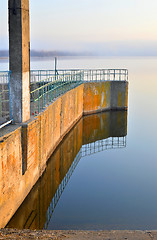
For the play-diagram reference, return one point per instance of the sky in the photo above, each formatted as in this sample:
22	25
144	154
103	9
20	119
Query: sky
111	27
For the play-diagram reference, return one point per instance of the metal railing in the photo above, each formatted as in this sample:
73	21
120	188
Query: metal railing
47	85
88	74
47	90
5	103
88	149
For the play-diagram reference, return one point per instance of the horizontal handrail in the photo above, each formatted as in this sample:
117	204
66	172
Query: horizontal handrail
82	69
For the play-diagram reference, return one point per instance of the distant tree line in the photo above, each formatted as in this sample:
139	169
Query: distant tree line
34	53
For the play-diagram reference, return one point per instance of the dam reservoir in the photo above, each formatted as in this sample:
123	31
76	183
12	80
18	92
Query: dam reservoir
109	178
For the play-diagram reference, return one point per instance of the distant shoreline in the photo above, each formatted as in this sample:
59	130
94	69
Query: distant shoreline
4	58
79	56
44	58
41	54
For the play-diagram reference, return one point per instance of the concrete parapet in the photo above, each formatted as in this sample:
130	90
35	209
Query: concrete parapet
119	95
108	95
24	152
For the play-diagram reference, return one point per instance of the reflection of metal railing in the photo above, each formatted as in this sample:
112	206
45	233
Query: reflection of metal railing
5	104
61	189
88	149
105	144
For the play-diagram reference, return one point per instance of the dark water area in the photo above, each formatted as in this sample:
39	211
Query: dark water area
75	190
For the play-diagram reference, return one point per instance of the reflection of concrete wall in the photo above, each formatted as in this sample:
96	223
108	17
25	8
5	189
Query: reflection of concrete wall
32	213
102	126
24	152
118	124
96	127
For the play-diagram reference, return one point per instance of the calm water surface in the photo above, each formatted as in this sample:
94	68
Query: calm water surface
114	188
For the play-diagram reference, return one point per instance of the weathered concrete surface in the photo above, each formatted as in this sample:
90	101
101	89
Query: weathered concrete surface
96	97
101	96
19	59
24	151
119	94
78	235
14	186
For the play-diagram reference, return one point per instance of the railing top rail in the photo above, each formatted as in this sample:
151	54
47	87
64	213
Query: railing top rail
71	69
81	69
5	72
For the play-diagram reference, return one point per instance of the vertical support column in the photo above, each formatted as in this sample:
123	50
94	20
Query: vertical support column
19	59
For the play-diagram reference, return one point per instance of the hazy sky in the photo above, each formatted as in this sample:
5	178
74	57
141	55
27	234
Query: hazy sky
89	25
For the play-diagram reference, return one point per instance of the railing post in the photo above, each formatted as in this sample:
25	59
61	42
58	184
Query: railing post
119	75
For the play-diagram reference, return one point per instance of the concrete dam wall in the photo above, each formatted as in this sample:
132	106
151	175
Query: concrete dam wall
25	148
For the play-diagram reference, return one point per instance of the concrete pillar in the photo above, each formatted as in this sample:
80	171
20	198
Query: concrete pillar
19	59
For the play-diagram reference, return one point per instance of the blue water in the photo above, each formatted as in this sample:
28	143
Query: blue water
116	188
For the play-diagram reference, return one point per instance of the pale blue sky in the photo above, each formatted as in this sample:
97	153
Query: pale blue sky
91	25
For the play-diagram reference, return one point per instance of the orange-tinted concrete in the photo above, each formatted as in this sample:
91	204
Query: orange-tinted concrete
96	97
14	186
25	151
101	96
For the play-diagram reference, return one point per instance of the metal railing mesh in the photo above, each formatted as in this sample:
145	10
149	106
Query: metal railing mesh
87	74
47	85
45	91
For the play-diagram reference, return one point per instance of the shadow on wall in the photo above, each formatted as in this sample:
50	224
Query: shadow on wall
91	134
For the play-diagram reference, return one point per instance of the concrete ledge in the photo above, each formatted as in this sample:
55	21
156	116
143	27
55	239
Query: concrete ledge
77	235
104	110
